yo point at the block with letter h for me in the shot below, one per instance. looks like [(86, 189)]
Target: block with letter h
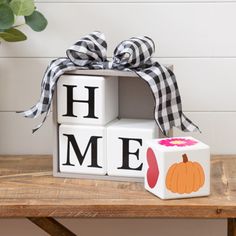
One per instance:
[(92, 141), (90, 100)]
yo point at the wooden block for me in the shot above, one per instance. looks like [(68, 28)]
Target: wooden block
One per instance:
[(87, 99), (107, 76), (125, 138), (82, 149), (177, 167)]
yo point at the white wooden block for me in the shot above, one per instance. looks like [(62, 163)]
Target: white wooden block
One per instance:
[(87, 99), (177, 167), (82, 149), (125, 138)]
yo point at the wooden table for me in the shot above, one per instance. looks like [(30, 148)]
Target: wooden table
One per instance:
[(28, 189)]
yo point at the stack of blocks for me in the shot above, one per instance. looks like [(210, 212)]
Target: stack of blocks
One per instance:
[(92, 140)]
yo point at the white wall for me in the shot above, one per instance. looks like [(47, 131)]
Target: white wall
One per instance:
[(194, 35), (197, 36)]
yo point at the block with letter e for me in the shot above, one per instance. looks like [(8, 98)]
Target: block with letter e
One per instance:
[(125, 139), (87, 99)]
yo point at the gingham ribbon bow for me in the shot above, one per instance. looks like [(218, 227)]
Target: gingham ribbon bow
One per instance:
[(133, 54)]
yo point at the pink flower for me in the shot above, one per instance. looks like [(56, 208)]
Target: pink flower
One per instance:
[(179, 142)]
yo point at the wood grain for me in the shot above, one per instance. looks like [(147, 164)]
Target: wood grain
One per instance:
[(195, 96), (51, 226), (16, 132), (27, 189), (177, 37), (16, 135), (231, 227), (215, 132)]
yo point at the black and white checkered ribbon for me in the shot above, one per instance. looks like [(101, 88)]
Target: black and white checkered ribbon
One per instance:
[(133, 54)]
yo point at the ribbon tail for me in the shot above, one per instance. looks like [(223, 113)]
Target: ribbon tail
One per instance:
[(39, 125), (188, 126), (54, 71), (168, 107), (33, 112)]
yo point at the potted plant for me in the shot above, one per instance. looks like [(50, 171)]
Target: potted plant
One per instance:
[(10, 10)]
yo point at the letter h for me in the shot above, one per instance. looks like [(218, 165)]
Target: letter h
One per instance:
[(71, 101)]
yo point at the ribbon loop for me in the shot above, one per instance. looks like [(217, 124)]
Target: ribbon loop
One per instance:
[(134, 53), (89, 50)]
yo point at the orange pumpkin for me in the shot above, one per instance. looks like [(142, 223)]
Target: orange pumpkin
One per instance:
[(185, 177)]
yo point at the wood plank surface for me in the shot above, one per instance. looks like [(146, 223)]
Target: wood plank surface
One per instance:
[(27, 189), (16, 132), (183, 33), (218, 130), (16, 135), (200, 82)]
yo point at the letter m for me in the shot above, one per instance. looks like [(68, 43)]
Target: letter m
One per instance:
[(93, 143)]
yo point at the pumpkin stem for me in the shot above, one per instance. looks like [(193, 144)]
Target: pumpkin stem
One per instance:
[(185, 158)]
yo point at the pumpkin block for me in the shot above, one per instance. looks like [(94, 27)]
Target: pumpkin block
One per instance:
[(177, 167)]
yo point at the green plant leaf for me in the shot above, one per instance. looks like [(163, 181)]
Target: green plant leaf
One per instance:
[(22, 7), (36, 21), (6, 16), (13, 35), (5, 1)]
